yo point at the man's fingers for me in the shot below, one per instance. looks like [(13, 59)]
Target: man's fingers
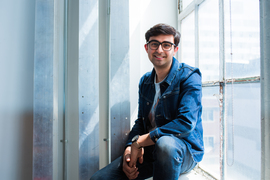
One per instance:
[(134, 176), (141, 159), (131, 173), (133, 158), (127, 157), (132, 163), (127, 169)]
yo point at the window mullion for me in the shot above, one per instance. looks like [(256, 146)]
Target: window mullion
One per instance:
[(222, 70)]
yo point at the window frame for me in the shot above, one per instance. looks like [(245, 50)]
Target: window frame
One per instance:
[(222, 81)]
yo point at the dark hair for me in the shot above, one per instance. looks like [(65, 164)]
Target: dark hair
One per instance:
[(163, 29)]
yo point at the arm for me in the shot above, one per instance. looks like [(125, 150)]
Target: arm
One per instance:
[(133, 153), (138, 128)]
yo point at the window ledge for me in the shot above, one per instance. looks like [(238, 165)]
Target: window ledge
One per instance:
[(192, 175)]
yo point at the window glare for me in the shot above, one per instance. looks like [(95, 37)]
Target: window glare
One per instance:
[(186, 3), (245, 22), (243, 138), (188, 40), (211, 128), (209, 40)]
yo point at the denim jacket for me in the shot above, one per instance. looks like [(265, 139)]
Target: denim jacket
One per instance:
[(179, 109)]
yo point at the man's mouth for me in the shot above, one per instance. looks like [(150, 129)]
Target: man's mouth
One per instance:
[(158, 56)]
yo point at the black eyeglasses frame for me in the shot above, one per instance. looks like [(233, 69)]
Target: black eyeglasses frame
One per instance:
[(160, 43)]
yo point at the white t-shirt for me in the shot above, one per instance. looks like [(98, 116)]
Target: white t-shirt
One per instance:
[(155, 103)]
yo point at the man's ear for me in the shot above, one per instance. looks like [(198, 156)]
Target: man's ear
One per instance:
[(146, 47), (175, 50)]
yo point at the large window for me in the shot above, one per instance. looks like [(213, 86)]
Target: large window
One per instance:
[(222, 38)]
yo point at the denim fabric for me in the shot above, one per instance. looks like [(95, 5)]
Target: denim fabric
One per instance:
[(167, 159), (178, 112)]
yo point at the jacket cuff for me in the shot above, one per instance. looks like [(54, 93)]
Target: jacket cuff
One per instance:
[(154, 135), (128, 144)]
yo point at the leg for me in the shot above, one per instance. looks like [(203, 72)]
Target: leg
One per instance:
[(112, 171), (171, 158)]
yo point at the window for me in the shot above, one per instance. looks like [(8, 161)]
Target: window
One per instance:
[(208, 143), (209, 113), (223, 40)]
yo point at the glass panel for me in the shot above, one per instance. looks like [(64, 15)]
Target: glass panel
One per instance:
[(245, 38), (210, 117), (186, 3), (188, 40), (243, 131), (209, 40), (88, 90), (119, 77)]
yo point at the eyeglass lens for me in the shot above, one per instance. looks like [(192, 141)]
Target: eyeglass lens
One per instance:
[(165, 45)]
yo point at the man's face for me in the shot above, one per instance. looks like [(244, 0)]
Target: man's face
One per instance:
[(161, 59)]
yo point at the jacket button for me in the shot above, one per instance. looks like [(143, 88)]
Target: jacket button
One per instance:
[(143, 118), (147, 103), (164, 97)]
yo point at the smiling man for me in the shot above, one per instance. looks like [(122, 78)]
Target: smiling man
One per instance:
[(167, 138)]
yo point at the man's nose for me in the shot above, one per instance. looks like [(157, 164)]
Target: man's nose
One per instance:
[(159, 49)]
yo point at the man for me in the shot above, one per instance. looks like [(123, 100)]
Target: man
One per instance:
[(167, 138)]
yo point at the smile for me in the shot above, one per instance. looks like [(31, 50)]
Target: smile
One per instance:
[(158, 57)]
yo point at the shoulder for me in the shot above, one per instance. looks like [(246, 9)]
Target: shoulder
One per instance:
[(146, 78), (185, 71)]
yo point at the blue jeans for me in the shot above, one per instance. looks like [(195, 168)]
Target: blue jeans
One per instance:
[(167, 159)]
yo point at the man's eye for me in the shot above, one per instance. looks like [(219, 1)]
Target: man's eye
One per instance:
[(154, 44), (166, 45)]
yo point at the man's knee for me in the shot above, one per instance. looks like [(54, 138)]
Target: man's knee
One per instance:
[(169, 146)]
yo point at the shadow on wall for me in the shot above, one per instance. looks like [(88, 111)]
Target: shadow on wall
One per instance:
[(27, 146), (16, 137), (120, 128)]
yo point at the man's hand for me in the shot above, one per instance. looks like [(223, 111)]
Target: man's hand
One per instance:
[(131, 172), (136, 154), (132, 154)]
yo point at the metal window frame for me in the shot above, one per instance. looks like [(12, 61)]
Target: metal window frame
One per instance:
[(265, 88), (183, 13)]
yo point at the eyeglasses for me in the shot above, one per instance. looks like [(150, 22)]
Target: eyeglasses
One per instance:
[(166, 46)]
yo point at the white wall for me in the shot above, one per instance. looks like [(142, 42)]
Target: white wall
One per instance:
[(144, 14), (16, 91)]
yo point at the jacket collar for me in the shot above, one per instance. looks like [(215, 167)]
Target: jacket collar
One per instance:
[(170, 76)]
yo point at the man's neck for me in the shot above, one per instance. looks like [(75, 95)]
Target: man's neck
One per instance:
[(161, 74)]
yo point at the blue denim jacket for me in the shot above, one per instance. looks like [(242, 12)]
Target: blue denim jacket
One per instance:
[(179, 110)]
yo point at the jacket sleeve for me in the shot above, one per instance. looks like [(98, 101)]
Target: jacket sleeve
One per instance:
[(189, 109), (138, 128)]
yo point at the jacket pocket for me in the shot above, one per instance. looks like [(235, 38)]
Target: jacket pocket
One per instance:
[(170, 104)]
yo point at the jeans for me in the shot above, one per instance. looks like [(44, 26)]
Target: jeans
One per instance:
[(167, 159)]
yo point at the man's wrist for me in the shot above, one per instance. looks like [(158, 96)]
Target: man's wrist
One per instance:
[(135, 142), (137, 145)]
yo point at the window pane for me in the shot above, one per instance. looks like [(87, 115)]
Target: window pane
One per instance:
[(209, 40), (211, 131), (186, 3), (243, 131), (245, 38), (188, 40)]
